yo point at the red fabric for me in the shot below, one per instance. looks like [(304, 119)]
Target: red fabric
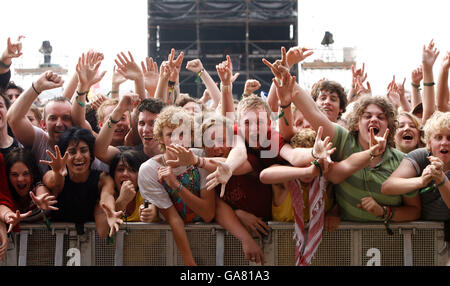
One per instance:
[(5, 194), (305, 252), (246, 192)]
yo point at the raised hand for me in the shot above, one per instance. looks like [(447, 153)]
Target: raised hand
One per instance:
[(360, 88), (117, 78), (151, 75), (175, 65), (165, 70), (113, 218), (129, 101), (13, 48), (220, 176), (285, 89), (97, 100), (297, 54), (185, 156), (194, 65), (446, 62), (417, 75), (57, 163), (359, 73), (225, 71), (377, 145), (323, 149), (429, 55), (127, 67), (44, 202), (87, 69), (393, 93), (275, 67), (48, 80), (14, 218), (251, 85)]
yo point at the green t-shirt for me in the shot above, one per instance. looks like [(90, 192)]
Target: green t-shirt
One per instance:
[(366, 182)]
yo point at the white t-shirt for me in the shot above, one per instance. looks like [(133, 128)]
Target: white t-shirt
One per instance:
[(153, 191)]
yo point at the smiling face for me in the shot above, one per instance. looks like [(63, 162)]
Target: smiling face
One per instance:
[(57, 119), (217, 147), (124, 173), (146, 120), (79, 158), (407, 136), (254, 123), (122, 127), (372, 117), (329, 103), (20, 178), (439, 144)]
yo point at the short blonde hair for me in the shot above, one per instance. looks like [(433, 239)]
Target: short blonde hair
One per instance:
[(304, 138), (101, 109), (172, 116), (437, 122), (252, 102)]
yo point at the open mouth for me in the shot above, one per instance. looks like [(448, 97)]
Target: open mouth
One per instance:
[(78, 164), (375, 130), (21, 186), (407, 137), (444, 152)]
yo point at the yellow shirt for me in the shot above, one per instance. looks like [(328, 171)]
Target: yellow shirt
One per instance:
[(285, 212), (135, 215)]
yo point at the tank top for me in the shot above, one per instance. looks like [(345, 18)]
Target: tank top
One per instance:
[(77, 201)]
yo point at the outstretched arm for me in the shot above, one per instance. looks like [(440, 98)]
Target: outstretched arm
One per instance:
[(13, 50), (196, 66), (103, 150), (225, 72), (17, 119), (416, 78), (442, 97), (429, 56)]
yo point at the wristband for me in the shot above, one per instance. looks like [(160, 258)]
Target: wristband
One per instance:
[(2, 64), (317, 164), (415, 85), (180, 187), (285, 106), (32, 85), (428, 83), (79, 102), (443, 182), (199, 76), (312, 154), (171, 83), (113, 121)]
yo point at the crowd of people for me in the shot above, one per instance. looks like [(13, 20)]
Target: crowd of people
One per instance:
[(310, 157)]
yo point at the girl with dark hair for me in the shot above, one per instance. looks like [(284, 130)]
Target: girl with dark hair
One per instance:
[(124, 170), (29, 196), (81, 191)]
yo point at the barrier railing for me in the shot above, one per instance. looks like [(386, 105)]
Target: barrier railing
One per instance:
[(354, 244)]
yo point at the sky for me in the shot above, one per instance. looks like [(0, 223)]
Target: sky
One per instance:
[(387, 36)]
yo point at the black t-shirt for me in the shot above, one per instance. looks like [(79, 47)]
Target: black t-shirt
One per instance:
[(433, 206), (77, 201), (6, 150)]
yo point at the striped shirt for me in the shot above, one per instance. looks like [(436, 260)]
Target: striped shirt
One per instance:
[(366, 182)]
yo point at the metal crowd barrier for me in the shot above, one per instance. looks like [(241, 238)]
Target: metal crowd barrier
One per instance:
[(141, 244)]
